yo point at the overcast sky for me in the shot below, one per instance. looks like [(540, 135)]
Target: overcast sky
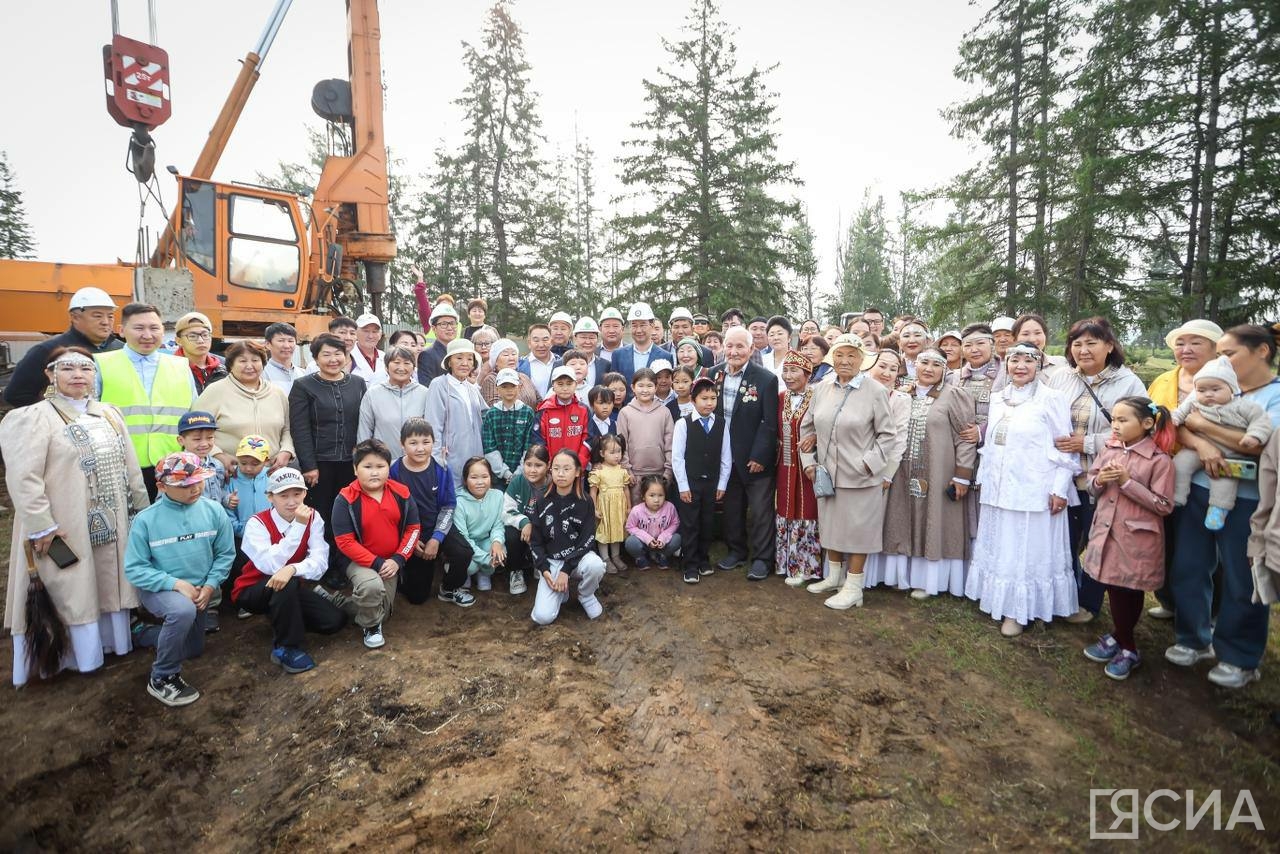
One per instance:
[(860, 87)]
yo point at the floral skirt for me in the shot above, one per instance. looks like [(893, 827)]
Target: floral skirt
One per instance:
[(798, 551)]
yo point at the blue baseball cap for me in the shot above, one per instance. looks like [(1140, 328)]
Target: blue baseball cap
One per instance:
[(197, 420)]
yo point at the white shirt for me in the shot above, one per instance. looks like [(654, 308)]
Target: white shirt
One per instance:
[(269, 559), (540, 373), (680, 442), (371, 375)]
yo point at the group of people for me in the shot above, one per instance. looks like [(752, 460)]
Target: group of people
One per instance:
[(151, 478)]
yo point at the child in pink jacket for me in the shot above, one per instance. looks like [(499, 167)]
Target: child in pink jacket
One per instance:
[(653, 527), (1132, 485), (646, 427)]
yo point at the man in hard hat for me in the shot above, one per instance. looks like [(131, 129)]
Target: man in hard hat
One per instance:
[(611, 330), (92, 319), (585, 335), (194, 334), (561, 326), (642, 351), (444, 323), (151, 389)]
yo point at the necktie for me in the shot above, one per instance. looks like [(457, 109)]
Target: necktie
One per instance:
[(706, 424)]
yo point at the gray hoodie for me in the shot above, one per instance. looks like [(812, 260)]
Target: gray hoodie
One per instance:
[(386, 407)]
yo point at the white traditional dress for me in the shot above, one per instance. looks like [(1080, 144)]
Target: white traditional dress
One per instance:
[(70, 467), (1021, 564)]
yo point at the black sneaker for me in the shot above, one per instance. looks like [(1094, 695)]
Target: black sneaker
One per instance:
[(211, 623), (172, 690), (461, 598), (691, 575), (706, 569)]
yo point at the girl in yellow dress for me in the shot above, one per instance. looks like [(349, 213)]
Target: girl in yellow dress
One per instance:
[(609, 481)]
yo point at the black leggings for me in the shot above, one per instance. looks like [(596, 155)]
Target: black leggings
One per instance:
[(1126, 610), (294, 610), (418, 574)]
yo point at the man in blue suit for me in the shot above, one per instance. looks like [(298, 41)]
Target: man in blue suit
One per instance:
[(642, 352)]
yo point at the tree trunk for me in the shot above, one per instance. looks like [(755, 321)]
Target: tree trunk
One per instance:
[(1193, 217), (1200, 277), (1042, 165), (702, 290), (1015, 110)]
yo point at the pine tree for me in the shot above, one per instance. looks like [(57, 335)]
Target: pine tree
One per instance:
[(15, 233), (804, 299), (708, 227)]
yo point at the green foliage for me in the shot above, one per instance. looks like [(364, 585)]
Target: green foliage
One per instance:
[(707, 228), (15, 234)]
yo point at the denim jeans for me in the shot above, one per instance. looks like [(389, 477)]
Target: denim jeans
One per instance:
[(1240, 634), (636, 548), (1079, 521), (179, 638)]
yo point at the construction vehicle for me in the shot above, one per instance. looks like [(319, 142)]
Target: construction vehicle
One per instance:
[(246, 255)]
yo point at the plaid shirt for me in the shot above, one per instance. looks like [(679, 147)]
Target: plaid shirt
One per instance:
[(507, 432)]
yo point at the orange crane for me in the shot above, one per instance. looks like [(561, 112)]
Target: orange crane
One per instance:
[(245, 255)]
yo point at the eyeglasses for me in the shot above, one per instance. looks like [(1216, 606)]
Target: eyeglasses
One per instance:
[(447, 324), (197, 336)]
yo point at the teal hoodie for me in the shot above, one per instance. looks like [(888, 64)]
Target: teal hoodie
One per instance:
[(170, 541)]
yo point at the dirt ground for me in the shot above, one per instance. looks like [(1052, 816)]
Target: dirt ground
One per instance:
[(726, 716)]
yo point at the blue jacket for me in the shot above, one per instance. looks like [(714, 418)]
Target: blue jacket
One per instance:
[(433, 491), (170, 541), (623, 360), (253, 498)]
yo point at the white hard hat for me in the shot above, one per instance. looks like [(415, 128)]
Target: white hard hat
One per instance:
[(681, 313), (561, 317), (640, 311), (586, 324), (91, 298)]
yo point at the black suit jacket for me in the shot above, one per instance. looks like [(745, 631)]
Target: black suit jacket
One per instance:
[(753, 433)]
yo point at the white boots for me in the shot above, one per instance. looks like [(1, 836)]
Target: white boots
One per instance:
[(850, 595), (835, 577)]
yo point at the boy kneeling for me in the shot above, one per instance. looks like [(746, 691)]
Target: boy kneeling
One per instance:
[(180, 550), (285, 544), (375, 525)]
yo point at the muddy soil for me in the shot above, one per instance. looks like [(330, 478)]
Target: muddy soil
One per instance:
[(730, 715)]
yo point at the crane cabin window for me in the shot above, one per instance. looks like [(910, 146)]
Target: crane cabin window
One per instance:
[(263, 246), (198, 226)]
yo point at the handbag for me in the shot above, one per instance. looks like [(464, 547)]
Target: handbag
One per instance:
[(823, 485)]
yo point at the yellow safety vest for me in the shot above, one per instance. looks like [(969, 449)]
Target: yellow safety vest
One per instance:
[(152, 422)]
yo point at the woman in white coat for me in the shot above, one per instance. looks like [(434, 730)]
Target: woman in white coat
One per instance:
[(1021, 569), (72, 472), (455, 409)]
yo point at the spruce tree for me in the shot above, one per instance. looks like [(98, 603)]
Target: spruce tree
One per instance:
[(15, 233), (706, 222)]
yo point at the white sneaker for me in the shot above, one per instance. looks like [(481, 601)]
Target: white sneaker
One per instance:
[(484, 582), (592, 606), (516, 583), (1230, 676), (373, 638), (795, 580), (1160, 612), (1185, 656), (919, 595)]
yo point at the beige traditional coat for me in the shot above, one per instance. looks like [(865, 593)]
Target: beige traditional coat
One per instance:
[(48, 488)]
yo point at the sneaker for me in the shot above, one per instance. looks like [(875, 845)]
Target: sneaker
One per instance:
[(327, 595), (921, 595), (484, 582), (1230, 676), (731, 561), (1185, 656), (516, 584), (172, 690), (691, 575), (1124, 663), (1160, 612), (1103, 650), (642, 562), (794, 580), (459, 597), (660, 560), (373, 638), (242, 614), (592, 606), (706, 569), (758, 571), (1216, 518), (292, 660)]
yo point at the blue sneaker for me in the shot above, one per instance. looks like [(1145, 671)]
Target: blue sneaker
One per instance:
[(1122, 665), (1103, 650), (642, 562), (292, 660), (1216, 518), (661, 561)]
